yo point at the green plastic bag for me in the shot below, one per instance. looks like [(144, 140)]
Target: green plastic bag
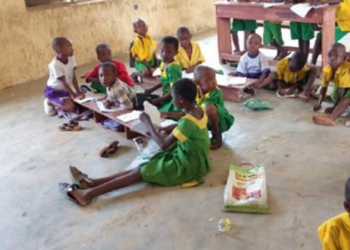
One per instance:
[(257, 105), (246, 190)]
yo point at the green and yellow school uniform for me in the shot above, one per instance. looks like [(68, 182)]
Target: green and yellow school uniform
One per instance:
[(143, 50), (169, 74), (288, 77), (242, 25), (215, 97), (186, 160), (273, 33), (341, 79)]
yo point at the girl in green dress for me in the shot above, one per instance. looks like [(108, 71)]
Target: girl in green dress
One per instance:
[(184, 157), (210, 98), (170, 72)]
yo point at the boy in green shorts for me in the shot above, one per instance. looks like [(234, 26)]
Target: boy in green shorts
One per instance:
[(273, 36), (248, 26), (304, 32)]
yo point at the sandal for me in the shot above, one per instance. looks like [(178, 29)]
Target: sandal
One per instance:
[(79, 178), (109, 150), (66, 190), (71, 126)]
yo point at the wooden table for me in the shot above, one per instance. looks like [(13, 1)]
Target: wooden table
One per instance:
[(255, 11)]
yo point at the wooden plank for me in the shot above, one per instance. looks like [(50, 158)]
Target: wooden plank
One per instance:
[(224, 36), (327, 33)]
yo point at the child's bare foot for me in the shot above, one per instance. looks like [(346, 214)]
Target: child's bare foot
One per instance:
[(323, 120), (216, 142), (304, 97), (329, 110), (80, 179), (282, 54), (73, 193)]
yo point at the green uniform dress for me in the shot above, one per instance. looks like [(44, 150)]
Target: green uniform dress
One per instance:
[(215, 97), (169, 75), (185, 161), (242, 25)]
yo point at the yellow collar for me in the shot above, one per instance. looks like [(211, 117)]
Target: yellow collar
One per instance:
[(202, 123)]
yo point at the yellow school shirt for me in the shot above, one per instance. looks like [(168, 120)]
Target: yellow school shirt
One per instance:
[(334, 234), (184, 61), (143, 48), (341, 77), (284, 74), (342, 16)]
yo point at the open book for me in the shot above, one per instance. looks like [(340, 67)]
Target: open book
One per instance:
[(102, 108), (233, 81), (90, 96)]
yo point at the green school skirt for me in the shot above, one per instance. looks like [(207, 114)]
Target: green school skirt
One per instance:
[(272, 33), (98, 87), (302, 31), (141, 67), (241, 25)]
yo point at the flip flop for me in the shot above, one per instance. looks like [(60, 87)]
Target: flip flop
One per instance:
[(323, 120), (71, 126), (256, 105), (66, 188), (110, 149), (78, 177)]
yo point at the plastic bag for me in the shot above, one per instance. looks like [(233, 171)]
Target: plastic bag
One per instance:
[(257, 105), (245, 190)]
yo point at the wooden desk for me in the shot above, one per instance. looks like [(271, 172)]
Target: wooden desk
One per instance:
[(255, 11)]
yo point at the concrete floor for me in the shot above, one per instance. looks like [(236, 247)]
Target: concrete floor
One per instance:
[(306, 165)]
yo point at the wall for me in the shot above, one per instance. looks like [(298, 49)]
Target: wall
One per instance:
[(25, 36)]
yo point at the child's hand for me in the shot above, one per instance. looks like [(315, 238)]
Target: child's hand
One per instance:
[(145, 118), (148, 91), (80, 95), (156, 101), (316, 107), (107, 104)]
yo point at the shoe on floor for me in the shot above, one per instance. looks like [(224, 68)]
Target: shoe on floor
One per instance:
[(49, 109)]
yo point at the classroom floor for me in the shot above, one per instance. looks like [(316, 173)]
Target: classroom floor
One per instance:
[(306, 165)]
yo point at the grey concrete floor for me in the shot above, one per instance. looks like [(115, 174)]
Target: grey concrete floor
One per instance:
[(306, 165)]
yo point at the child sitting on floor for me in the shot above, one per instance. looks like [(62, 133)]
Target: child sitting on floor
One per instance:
[(189, 55), (104, 54), (184, 157), (143, 50), (59, 91), (337, 71), (253, 64), (211, 100), (118, 93), (170, 72), (292, 74), (334, 234)]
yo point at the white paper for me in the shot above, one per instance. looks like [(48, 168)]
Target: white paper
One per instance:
[(167, 123), (302, 9), (102, 108), (187, 75), (157, 72), (236, 81), (269, 5), (134, 115), (153, 113), (90, 96)]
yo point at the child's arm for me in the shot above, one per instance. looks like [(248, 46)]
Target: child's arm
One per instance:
[(79, 93), (269, 79), (191, 68), (161, 99), (151, 90), (162, 142), (92, 76), (341, 92), (66, 86), (260, 80), (320, 98)]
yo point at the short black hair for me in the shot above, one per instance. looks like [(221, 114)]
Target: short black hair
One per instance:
[(183, 30), (347, 190), (109, 65), (186, 89), (101, 47), (299, 57), (59, 41), (171, 40), (338, 46), (201, 71)]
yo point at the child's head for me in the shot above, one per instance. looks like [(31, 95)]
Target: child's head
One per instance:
[(253, 44), (62, 46), (140, 27), (336, 55), (347, 196), (184, 93), (107, 74), (205, 78), (184, 36), (104, 53), (169, 48), (297, 61)]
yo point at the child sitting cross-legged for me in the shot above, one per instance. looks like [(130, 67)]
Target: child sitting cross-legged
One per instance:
[(104, 54), (337, 71), (292, 75), (210, 98), (190, 54), (184, 157), (334, 234), (170, 72), (253, 64), (62, 85)]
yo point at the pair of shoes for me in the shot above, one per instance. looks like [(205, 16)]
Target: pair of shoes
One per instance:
[(49, 108)]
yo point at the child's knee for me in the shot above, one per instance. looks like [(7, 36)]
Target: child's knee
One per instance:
[(210, 109), (69, 105)]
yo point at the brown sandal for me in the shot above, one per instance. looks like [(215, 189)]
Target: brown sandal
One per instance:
[(109, 150)]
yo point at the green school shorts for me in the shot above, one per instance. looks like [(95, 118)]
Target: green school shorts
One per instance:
[(141, 67), (98, 87), (242, 25), (334, 94), (338, 34), (302, 31), (272, 33)]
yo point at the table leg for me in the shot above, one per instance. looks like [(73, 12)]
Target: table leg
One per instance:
[(224, 36), (327, 34), (99, 118)]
